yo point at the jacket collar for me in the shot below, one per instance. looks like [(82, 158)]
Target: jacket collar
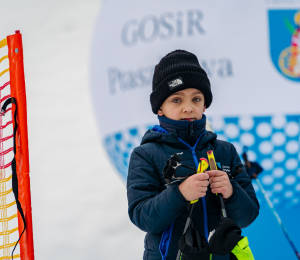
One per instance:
[(187, 131)]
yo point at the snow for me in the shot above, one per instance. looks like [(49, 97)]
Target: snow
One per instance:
[(79, 201)]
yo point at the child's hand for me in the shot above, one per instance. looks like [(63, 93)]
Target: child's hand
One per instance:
[(194, 187), (220, 183)]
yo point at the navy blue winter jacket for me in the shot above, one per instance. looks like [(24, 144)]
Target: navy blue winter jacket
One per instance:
[(154, 208)]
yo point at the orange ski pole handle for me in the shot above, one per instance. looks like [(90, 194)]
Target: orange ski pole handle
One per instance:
[(203, 165)]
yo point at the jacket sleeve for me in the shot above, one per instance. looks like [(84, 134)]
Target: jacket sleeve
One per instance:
[(149, 208), (242, 206)]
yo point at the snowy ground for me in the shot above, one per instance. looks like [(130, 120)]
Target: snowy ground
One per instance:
[(79, 202)]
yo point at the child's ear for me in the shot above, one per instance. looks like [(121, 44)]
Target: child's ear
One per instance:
[(204, 108), (160, 112)]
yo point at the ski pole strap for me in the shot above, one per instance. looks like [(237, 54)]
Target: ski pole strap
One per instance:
[(242, 250), (9, 101), (169, 170)]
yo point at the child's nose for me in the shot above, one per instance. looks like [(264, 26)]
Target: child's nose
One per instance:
[(188, 108)]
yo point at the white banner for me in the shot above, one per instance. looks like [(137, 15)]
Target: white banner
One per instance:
[(250, 50)]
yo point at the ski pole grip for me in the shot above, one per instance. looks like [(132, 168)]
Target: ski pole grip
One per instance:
[(202, 166), (213, 166)]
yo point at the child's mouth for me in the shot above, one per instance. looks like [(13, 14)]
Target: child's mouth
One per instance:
[(188, 119)]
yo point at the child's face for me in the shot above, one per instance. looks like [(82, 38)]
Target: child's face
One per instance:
[(187, 104)]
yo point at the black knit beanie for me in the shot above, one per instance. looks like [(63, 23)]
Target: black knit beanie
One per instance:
[(177, 71)]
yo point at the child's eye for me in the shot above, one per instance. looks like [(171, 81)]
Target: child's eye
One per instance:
[(176, 100), (197, 99)]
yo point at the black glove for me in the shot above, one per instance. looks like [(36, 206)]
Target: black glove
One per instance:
[(193, 246), (225, 238)]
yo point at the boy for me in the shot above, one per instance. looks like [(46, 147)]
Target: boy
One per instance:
[(181, 93), (252, 168)]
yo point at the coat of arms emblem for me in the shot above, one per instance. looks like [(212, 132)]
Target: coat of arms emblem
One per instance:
[(285, 42)]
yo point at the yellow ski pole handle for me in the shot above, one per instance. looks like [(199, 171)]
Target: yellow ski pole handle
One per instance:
[(210, 155), (203, 165), (212, 161), (213, 166)]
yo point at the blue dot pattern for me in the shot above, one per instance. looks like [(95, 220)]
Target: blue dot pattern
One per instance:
[(120, 146), (273, 142)]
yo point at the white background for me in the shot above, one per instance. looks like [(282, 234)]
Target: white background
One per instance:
[(233, 30), (79, 202)]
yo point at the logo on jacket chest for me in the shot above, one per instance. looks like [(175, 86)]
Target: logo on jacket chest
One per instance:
[(223, 167)]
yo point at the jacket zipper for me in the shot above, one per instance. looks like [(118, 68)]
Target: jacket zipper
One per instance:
[(192, 129), (203, 198)]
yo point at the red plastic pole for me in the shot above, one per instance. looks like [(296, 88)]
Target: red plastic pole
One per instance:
[(17, 84)]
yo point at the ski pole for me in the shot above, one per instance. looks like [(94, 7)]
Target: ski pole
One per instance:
[(203, 165), (213, 166), (277, 217)]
